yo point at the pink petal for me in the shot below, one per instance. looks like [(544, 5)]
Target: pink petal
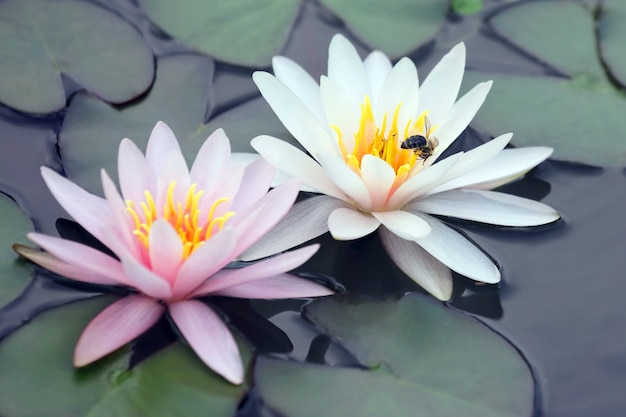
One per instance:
[(49, 262), (135, 173), (209, 337), (211, 163), (259, 271), (115, 326), (418, 264), (125, 224), (305, 220), (210, 257), (277, 287), (256, 180), (348, 223), (166, 250), (88, 210), (161, 144), (145, 280), (103, 268)]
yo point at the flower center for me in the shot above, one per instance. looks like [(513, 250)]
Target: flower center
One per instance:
[(386, 144), (193, 226)]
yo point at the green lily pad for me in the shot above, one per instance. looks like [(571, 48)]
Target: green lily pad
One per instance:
[(14, 272), (422, 359), (40, 40), (232, 31), (467, 7), (579, 114), (612, 33), (37, 361), (395, 28), (92, 130)]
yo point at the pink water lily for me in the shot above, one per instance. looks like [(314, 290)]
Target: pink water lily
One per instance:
[(375, 137), (172, 231)]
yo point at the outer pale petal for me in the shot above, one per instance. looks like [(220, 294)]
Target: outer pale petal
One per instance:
[(85, 257), (145, 280), (419, 265), (49, 262), (294, 115), (255, 182), (88, 210), (348, 224), (124, 226), (404, 224), (209, 337), (115, 326), (342, 109), (401, 87), (306, 220), (488, 207), (259, 271), (505, 167), (441, 87), (457, 253), (161, 144), (346, 179), (204, 262), (296, 164), (280, 286), (166, 250), (346, 68), (211, 163), (459, 117), (378, 177), (134, 172), (377, 67), (301, 83)]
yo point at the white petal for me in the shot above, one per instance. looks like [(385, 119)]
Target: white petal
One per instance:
[(348, 224), (441, 87), (459, 117), (301, 83), (209, 337), (342, 110), (346, 68), (404, 224), (488, 207), (505, 167), (400, 87), (378, 177), (419, 265), (346, 179), (457, 253), (296, 164), (294, 115), (306, 220), (377, 66)]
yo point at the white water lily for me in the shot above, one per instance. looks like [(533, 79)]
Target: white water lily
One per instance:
[(353, 124)]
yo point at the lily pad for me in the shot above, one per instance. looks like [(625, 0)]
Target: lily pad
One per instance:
[(612, 33), (92, 129), (422, 359), (14, 272), (41, 40), (395, 28), (580, 114), (39, 357), (231, 31), (467, 7)]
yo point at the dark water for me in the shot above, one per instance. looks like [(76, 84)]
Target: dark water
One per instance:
[(560, 301)]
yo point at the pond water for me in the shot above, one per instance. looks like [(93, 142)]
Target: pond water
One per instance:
[(559, 302)]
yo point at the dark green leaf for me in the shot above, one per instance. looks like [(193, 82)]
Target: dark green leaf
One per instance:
[(40, 40), (395, 28), (233, 31), (14, 272), (466, 7), (424, 360), (612, 33)]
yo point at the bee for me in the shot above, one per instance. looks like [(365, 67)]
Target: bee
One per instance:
[(422, 145)]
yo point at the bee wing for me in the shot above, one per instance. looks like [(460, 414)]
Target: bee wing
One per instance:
[(434, 141)]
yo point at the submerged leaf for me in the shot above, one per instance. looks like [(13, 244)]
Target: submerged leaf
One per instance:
[(612, 32), (233, 31), (580, 113), (14, 272), (397, 27), (40, 40), (423, 359)]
